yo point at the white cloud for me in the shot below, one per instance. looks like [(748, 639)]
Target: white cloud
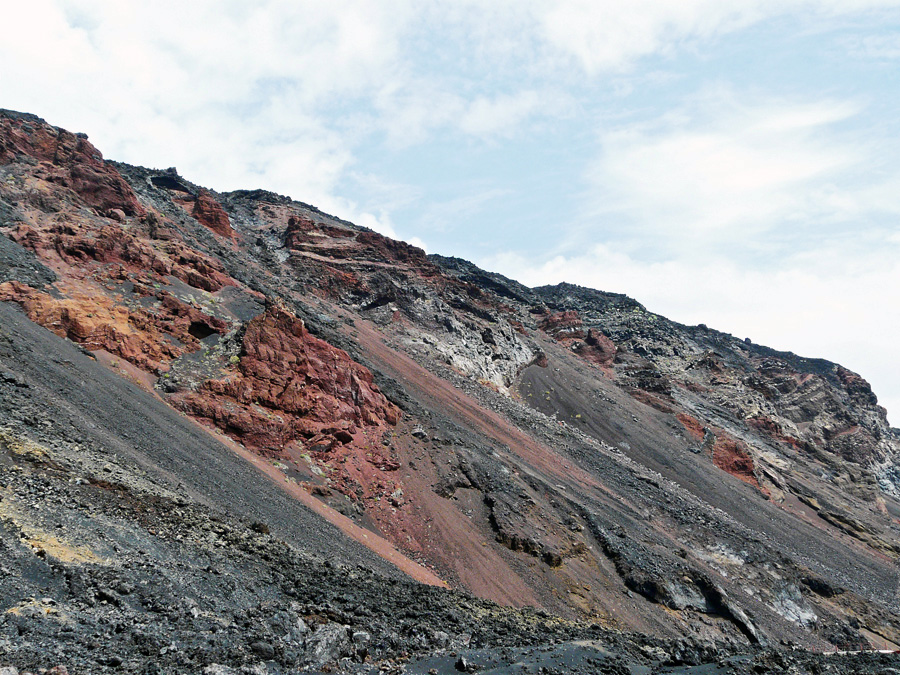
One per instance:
[(881, 47), (233, 94), (501, 114), (748, 214), (261, 81), (444, 216), (411, 112), (725, 163), (608, 35)]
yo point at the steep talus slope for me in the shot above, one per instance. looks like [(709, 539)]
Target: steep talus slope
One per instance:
[(777, 421), (810, 405), (133, 541), (52, 399), (557, 447)]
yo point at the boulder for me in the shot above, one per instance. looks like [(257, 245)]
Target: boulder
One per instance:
[(328, 644)]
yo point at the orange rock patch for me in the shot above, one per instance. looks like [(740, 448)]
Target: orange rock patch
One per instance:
[(653, 400), (97, 322), (567, 322), (207, 211), (210, 213), (107, 243)]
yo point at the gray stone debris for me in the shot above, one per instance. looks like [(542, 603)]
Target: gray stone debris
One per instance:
[(327, 644)]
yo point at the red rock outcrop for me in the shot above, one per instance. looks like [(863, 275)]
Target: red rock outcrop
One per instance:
[(290, 385), (773, 429), (106, 242), (196, 269), (693, 426), (379, 247), (210, 213), (597, 348), (299, 231), (95, 323), (305, 234), (77, 244), (70, 161), (183, 321), (732, 456), (566, 323), (568, 329), (859, 390)]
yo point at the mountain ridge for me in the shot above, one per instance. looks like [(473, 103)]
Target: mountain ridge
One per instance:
[(556, 447)]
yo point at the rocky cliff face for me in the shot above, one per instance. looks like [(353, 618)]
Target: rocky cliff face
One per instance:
[(556, 447)]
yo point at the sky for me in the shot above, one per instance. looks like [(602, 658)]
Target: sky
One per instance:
[(733, 163)]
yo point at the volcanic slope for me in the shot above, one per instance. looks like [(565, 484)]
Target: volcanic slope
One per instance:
[(557, 447)]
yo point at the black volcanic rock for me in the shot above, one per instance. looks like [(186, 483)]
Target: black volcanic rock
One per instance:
[(20, 264)]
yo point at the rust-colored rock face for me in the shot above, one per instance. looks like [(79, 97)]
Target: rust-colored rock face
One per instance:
[(290, 385), (563, 323), (70, 161), (310, 236), (95, 323), (774, 430), (391, 250), (732, 456), (859, 390), (300, 231), (81, 244), (211, 214), (597, 348), (692, 425), (591, 345)]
